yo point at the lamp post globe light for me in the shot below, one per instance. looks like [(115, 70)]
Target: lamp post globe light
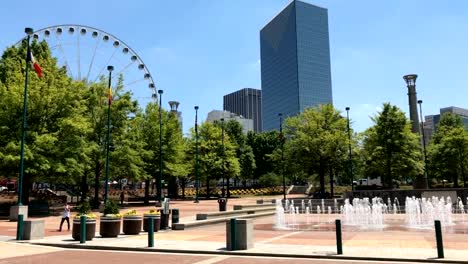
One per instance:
[(350, 159), (159, 181), (282, 154), (196, 155), (106, 187), (426, 171), (223, 191)]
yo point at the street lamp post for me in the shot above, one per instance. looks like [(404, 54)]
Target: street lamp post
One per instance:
[(350, 161), (426, 171), (106, 187), (159, 181), (29, 32), (196, 155), (282, 154), (223, 192)]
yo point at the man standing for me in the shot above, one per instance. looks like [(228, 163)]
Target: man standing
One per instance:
[(65, 216)]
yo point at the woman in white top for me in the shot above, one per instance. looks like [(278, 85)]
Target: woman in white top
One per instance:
[(65, 216)]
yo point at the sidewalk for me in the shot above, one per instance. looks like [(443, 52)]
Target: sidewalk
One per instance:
[(211, 239)]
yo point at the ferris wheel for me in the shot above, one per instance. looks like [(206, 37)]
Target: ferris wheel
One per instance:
[(85, 52)]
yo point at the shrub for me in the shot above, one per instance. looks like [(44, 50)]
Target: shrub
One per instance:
[(111, 207), (269, 180)]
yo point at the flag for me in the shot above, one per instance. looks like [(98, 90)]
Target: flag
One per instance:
[(30, 58), (110, 95)]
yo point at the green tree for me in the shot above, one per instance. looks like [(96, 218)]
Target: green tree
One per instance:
[(391, 150), (448, 150), (172, 147), (55, 148), (263, 145), (317, 142), (214, 161)]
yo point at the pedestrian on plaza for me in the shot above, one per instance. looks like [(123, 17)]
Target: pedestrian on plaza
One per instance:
[(65, 217)]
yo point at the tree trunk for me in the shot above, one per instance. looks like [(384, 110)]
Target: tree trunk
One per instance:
[(387, 183), (331, 182), (147, 186), (84, 186), (207, 188), (97, 174), (322, 178)]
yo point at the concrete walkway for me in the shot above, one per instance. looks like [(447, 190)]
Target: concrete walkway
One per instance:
[(358, 245)]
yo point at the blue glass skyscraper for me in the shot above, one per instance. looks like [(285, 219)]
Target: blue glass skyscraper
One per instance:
[(295, 62)]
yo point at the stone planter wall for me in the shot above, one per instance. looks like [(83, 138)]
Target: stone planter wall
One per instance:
[(90, 229), (109, 226), (132, 224)]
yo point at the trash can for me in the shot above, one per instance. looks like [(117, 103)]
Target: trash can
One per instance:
[(222, 204), (175, 216), (164, 219)]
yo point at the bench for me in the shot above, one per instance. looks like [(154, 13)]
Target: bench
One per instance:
[(183, 226), (248, 206), (231, 213), (267, 201)]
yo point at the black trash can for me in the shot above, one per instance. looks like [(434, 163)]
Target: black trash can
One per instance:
[(222, 202), (164, 219), (175, 216)]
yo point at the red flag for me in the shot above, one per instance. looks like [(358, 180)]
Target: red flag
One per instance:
[(30, 58)]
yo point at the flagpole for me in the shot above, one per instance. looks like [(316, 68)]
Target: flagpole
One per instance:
[(106, 188), (29, 32)]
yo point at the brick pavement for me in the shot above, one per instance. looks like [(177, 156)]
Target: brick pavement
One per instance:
[(392, 244)]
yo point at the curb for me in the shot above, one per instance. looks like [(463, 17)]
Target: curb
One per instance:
[(250, 254)]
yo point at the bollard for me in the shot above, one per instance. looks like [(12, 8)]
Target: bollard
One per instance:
[(82, 229), (440, 244), (151, 231), (339, 242), (233, 234), (19, 228)]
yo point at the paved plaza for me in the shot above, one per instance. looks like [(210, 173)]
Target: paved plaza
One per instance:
[(204, 241)]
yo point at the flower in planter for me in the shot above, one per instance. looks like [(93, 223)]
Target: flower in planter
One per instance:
[(152, 212), (131, 213), (85, 209)]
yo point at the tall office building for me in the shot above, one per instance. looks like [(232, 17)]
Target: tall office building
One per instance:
[(246, 102), (295, 62), (431, 122)]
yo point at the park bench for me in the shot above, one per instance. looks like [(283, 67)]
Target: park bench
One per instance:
[(206, 216), (249, 206), (182, 226)]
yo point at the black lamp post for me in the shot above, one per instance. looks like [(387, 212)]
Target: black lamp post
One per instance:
[(282, 154), (350, 161), (106, 187), (223, 192), (426, 172), (29, 32), (196, 155), (159, 181)]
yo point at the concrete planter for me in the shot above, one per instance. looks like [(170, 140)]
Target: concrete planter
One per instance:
[(90, 229), (132, 224), (157, 222), (109, 226)]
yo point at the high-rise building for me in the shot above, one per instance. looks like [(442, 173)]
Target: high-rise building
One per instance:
[(295, 62), (246, 102), (432, 121), (216, 115)]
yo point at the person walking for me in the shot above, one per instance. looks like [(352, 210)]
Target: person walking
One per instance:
[(65, 216)]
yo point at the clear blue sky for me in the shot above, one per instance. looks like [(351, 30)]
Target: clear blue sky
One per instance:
[(200, 50)]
